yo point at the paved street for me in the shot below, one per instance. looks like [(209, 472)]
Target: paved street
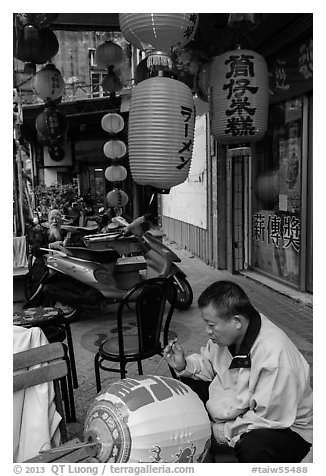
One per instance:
[(294, 317)]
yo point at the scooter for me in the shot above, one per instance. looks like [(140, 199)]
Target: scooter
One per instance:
[(95, 278), (137, 239)]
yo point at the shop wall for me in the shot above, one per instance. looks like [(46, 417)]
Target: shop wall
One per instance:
[(184, 209)]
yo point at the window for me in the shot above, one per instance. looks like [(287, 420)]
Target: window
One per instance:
[(276, 213)]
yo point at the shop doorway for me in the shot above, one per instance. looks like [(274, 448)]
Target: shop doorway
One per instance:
[(238, 162)]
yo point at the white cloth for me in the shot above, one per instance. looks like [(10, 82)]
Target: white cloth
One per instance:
[(274, 392), (35, 419)]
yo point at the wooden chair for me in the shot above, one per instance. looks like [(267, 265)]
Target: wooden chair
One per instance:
[(150, 299), (21, 271), (56, 370)]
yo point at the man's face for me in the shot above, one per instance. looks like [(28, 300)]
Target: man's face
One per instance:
[(221, 331), (55, 220)]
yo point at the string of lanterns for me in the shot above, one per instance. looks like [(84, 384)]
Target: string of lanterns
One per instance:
[(35, 43), (115, 150)]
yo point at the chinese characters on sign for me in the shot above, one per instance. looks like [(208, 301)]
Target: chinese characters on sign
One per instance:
[(186, 148), (276, 230), (239, 88), (190, 29)]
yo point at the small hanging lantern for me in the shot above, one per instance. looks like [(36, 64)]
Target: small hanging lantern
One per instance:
[(108, 54), (51, 124), (111, 82), (112, 123), (156, 33), (117, 198), (48, 83), (114, 149), (115, 173), (238, 97), (161, 132), (124, 422), (37, 50)]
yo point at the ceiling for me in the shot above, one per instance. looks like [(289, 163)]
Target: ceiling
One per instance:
[(213, 33), (213, 36)]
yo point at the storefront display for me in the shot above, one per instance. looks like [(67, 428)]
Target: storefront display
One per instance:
[(276, 213)]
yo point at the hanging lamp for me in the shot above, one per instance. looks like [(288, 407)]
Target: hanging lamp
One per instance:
[(48, 83), (238, 97), (156, 33), (161, 132), (112, 123)]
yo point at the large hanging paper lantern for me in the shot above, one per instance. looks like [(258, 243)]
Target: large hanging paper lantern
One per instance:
[(48, 83), (108, 54), (36, 50), (115, 173), (148, 419), (117, 198), (51, 124), (238, 97), (112, 123), (158, 32), (114, 149), (161, 132)]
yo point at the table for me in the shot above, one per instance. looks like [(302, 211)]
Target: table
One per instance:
[(36, 316)]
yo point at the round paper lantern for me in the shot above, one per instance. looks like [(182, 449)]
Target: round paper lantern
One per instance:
[(150, 419), (48, 83), (51, 123), (114, 149), (37, 50), (238, 97), (158, 31), (117, 198), (115, 173), (161, 132), (108, 54), (111, 82), (112, 123)]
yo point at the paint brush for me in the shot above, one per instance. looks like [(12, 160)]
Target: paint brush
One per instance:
[(166, 351)]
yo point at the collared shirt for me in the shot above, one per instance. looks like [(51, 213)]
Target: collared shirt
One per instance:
[(265, 385)]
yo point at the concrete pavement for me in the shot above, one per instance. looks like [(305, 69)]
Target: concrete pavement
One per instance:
[(294, 316)]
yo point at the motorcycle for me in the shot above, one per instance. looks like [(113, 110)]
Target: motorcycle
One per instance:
[(94, 279), (137, 239)]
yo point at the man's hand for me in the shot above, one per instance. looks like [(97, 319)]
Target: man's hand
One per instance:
[(55, 245), (175, 357)]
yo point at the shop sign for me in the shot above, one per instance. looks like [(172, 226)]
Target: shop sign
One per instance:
[(291, 72), (279, 231)]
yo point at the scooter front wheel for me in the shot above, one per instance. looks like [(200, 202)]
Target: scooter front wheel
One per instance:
[(184, 295)]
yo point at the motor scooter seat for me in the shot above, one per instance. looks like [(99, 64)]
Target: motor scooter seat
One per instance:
[(102, 256)]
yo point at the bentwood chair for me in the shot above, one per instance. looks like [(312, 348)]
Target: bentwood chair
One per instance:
[(153, 303)]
